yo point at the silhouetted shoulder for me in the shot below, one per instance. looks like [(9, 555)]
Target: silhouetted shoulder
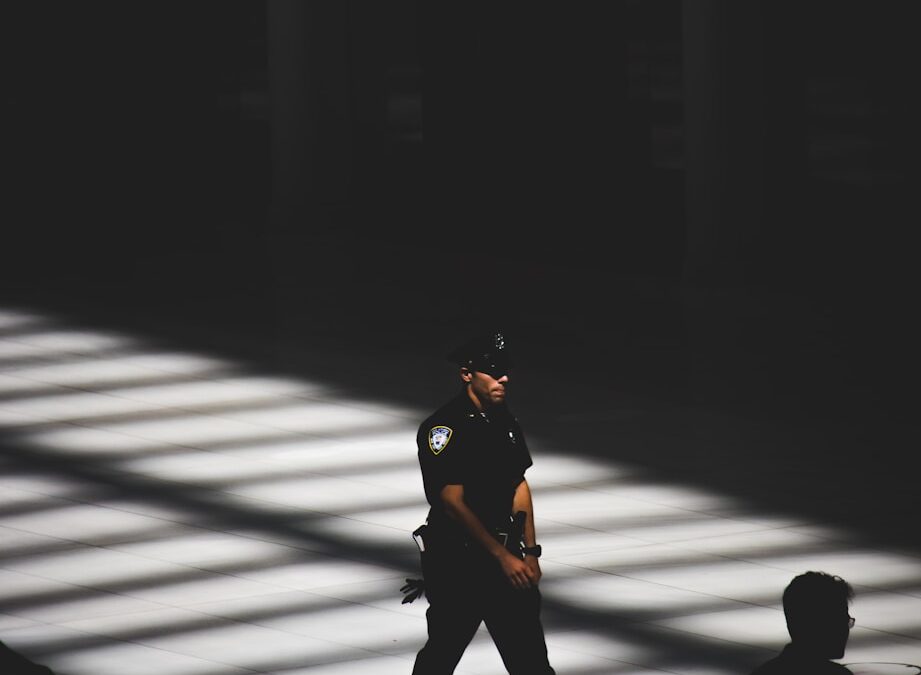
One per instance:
[(14, 663), (787, 664)]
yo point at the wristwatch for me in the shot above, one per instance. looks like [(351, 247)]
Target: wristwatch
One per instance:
[(532, 550)]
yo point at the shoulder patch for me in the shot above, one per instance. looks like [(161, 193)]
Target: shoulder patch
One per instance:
[(439, 437)]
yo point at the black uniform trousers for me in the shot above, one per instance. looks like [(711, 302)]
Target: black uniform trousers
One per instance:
[(465, 587)]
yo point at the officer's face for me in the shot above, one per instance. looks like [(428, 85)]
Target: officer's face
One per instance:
[(489, 390)]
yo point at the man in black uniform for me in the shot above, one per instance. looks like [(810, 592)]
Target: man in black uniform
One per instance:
[(477, 566)]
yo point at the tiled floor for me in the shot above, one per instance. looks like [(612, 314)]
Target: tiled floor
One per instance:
[(175, 513)]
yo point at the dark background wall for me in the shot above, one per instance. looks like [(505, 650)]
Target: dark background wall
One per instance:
[(703, 202), (139, 130)]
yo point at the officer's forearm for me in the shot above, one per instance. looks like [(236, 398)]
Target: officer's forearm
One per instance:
[(522, 502), (458, 510)]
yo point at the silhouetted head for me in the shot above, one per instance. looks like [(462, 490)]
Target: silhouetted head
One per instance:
[(815, 605), (484, 363)]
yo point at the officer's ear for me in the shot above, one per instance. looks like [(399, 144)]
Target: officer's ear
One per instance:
[(466, 374)]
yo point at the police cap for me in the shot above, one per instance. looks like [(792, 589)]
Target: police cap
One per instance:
[(485, 353)]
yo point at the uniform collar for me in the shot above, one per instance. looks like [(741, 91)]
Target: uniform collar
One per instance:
[(470, 410)]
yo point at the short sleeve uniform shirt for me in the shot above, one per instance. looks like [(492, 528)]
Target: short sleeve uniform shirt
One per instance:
[(485, 452)]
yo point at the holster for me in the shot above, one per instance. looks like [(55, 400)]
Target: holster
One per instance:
[(419, 536), (512, 537)]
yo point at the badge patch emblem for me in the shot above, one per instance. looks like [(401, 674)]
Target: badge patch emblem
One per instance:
[(438, 438)]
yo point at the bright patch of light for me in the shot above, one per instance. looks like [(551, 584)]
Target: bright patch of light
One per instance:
[(92, 605), (581, 547), (318, 418), (204, 394), (358, 626), (598, 643), (857, 566), (323, 494), (72, 406), (690, 529), (19, 588), (676, 496), (90, 441), (555, 469), (344, 454), (111, 656), (204, 468), (367, 664), (761, 626), (186, 430), (84, 523), (61, 342), (618, 595), (887, 611), (198, 586), (736, 579), (318, 573), (872, 646), (252, 646), (121, 370)]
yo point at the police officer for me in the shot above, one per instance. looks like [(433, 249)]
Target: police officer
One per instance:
[(476, 565)]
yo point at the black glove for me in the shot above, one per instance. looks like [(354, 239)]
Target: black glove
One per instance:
[(412, 590)]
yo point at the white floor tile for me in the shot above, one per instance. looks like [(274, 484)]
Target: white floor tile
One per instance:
[(198, 467), (206, 549), (198, 587), (756, 626), (86, 523), (8, 622), (76, 405), (253, 647), (607, 645), (721, 578), (317, 417), (359, 626), (334, 456), (316, 573), (322, 494), (896, 613), (258, 608), (872, 646), (859, 566), (618, 596), (19, 591), (95, 567), (366, 665), (77, 441), (189, 430), (553, 470), (120, 658), (44, 484)]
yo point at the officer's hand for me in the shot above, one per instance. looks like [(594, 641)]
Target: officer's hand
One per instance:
[(534, 566), (516, 571)]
